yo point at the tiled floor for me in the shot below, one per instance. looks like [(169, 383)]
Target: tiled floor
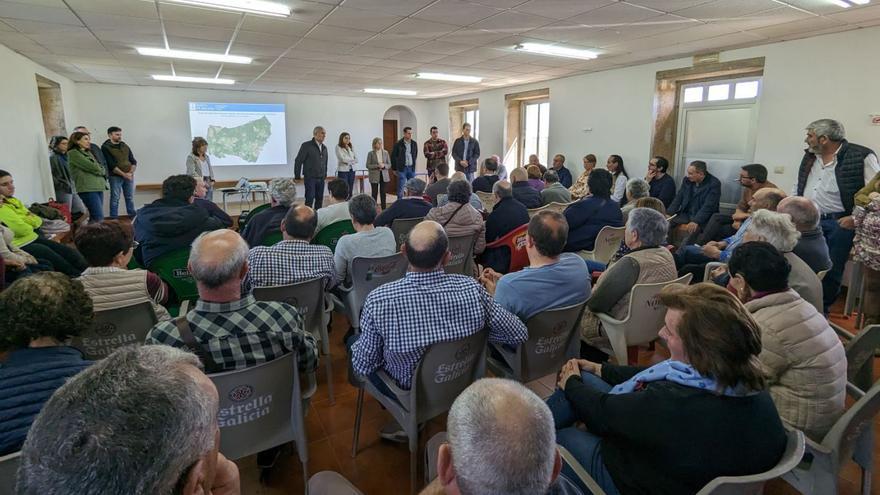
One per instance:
[(382, 467)]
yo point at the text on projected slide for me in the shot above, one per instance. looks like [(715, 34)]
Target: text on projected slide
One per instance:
[(241, 133)]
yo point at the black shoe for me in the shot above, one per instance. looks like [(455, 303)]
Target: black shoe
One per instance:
[(267, 458), (593, 354)]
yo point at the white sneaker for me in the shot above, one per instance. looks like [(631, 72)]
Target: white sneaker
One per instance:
[(393, 432)]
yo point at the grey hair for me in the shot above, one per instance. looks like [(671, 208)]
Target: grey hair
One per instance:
[(362, 209), (829, 128), (650, 224), (214, 275), (316, 130), (551, 176), (502, 189), (459, 191), (637, 188), (283, 190), (774, 228), (502, 439), (415, 186), (134, 422), (803, 212)]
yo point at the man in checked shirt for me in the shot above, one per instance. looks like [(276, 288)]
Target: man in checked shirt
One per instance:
[(397, 326)]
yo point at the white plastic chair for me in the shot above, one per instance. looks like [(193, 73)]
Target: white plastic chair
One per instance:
[(331, 483), (488, 199), (710, 267), (461, 261), (643, 321), (114, 328), (366, 275), (401, 227), (554, 206), (8, 470), (607, 243)]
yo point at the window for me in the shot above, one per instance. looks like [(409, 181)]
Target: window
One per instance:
[(472, 116), (746, 90), (725, 92), (693, 94), (719, 92), (536, 130)]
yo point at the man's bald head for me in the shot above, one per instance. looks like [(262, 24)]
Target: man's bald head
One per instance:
[(426, 245), (502, 189), (803, 212), (767, 198), (300, 223), (218, 257)]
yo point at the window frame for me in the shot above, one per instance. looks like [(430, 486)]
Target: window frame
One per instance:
[(523, 156), (731, 92)]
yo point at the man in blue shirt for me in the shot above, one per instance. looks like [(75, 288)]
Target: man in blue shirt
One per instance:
[(561, 171), (552, 280)]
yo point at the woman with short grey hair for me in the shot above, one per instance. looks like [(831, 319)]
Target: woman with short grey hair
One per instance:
[(458, 217), (636, 189)]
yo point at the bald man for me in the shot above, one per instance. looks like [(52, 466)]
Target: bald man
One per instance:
[(401, 319), (811, 247)]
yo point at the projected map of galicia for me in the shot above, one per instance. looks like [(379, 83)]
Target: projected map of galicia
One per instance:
[(245, 141)]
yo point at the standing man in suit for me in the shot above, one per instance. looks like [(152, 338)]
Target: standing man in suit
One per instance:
[(466, 152), (403, 159), (311, 161)]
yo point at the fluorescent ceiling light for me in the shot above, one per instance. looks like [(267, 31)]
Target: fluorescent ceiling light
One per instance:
[(849, 3), (205, 80), (382, 91), (448, 77), (187, 55), (260, 7), (840, 3), (861, 2), (557, 51)]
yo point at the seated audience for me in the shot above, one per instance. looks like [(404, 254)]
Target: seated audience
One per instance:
[(172, 222), (677, 425), (811, 247), (108, 248), (199, 200), (561, 172), (636, 189), (500, 439), (579, 189), (752, 178), (554, 191), (649, 202), (337, 210), (618, 178), (38, 315), (397, 325), (661, 184), (282, 194), (523, 191), (440, 184), (552, 280), (802, 357), (411, 205), (534, 173), (17, 263), (534, 160), (294, 259), (587, 216), (474, 200), (694, 204), (778, 230), (143, 420), (458, 217), (485, 182), (233, 331), (368, 241), (507, 215), (24, 226)]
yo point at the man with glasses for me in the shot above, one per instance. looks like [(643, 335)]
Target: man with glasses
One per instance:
[(752, 178)]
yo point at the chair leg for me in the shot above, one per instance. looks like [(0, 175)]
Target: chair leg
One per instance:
[(866, 481), (357, 422), (306, 476), (329, 360), (413, 470)]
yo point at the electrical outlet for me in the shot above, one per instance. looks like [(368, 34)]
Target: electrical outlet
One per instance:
[(779, 170)]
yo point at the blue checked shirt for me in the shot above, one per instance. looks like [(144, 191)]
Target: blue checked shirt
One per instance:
[(289, 262), (401, 319), (243, 333)]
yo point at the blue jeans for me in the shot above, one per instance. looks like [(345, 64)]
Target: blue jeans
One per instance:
[(470, 176), (840, 243), (348, 177), (94, 202), (402, 176), (583, 445), (121, 184), (314, 192)]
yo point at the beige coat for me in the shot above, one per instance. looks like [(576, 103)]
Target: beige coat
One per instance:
[(804, 361), (466, 221), (112, 288), (804, 281), (373, 166)]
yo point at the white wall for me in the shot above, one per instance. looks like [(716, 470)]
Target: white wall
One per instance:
[(804, 80), (26, 154)]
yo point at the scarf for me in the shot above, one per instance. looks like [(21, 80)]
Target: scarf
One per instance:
[(680, 373)]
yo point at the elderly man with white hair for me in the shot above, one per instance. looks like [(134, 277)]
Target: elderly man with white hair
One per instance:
[(636, 189), (282, 192), (311, 164), (500, 439), (811, 246), (142, 421)]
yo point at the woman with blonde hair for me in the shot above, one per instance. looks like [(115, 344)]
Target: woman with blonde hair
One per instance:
[(378, 163)]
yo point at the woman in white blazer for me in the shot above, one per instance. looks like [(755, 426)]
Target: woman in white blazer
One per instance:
[(378, 163), (346, 161)]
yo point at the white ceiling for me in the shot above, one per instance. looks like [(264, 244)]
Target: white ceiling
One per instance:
[(342, 46)]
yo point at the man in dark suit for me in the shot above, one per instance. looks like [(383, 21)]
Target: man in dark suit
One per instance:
[(506, 216), (403, 159), (466, 152), (412, 205), (696, 201), (311, 161)]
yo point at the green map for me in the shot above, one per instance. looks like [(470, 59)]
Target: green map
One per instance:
[(245, 141)]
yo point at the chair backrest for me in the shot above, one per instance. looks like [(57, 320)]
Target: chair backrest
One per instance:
[(260, 407), (272, 238), (860, 357), (114, 328), (401, 228), (515, 241), (8, 470), (607, 243), (710, 267), (171, 267), (847, 432), (754, 484), (645, 314), (445, 370), (821, 274), (329, 235), (462, 259), (369, 273), (556, 206), (331, 483), (488, 199), (553, 340), (306, 296)]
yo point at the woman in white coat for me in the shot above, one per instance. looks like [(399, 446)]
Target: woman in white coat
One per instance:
[(346, 161)]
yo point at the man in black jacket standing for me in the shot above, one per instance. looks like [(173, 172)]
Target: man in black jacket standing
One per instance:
[(403, 159), (466, 152), (311, 162)]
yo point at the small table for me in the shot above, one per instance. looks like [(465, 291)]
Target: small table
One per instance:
[(252, 191)]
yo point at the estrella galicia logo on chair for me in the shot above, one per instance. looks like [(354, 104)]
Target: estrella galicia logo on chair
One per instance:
[(246, 407)]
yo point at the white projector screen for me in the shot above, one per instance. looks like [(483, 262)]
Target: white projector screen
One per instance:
[(241, 133)]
